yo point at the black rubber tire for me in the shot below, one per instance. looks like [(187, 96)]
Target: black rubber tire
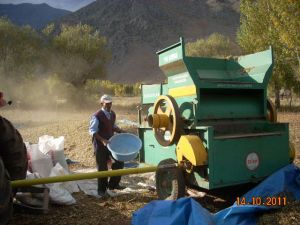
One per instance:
[(6, 203), (170, 183)]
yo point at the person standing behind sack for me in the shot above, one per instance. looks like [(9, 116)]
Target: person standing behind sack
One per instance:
[(102, 128)]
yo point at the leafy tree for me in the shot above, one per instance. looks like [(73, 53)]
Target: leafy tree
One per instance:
[(273, 23), (83, 53), (215, 45), (49, 29), (49, 64), (19, 48)]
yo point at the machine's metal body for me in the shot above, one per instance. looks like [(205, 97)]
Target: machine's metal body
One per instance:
[(213, 117)]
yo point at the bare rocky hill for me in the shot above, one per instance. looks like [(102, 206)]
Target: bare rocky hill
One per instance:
[(136, 29), (34, 15)]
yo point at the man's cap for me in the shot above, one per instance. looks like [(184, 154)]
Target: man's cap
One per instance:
[(105, 99)]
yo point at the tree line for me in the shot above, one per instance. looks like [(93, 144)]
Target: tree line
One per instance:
[(65, 63), (76, 53)]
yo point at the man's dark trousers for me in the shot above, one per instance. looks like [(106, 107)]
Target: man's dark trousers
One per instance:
[(102, 156)]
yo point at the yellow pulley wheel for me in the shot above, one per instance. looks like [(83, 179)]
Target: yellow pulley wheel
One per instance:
[(166, 120)]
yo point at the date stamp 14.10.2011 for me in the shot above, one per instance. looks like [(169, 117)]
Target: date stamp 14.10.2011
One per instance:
[(262, 201)]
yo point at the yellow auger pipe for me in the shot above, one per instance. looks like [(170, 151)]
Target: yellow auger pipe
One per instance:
[(82, 176)]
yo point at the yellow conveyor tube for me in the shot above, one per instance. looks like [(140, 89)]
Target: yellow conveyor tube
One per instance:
[(82, 176)]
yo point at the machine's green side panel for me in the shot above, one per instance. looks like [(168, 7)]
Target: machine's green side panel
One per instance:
[(181, 79), (257, 66), (150, 92), (165, 89), (171, 54), (153, 152), (250, 71), (228, 157), (171, 62)]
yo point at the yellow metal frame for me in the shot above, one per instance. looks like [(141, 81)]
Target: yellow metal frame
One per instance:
[(190, 147)]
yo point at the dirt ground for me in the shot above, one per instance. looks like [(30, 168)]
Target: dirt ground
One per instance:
[(73, 125), (89, 210)]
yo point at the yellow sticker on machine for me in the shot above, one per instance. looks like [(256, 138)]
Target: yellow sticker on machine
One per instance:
[(183, 91)]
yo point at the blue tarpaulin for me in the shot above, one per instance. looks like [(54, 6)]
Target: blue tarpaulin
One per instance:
[(182, 211), (186, 211), (285, 182)]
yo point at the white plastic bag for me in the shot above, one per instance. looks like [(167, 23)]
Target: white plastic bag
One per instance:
[(58, 155), (54, 147), (61, 196), (58, 193), (40, 163), (70, 186), (45, 144)]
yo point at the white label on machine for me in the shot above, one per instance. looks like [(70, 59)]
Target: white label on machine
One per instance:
[(252, 161), (170, 58), (151, 95), (180, 78)]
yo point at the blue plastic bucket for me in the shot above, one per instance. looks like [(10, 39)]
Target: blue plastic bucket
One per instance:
[(124, 147)]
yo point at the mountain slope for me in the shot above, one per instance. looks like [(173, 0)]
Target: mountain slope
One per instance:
[(136, 29), (35, 15), (70, 5)]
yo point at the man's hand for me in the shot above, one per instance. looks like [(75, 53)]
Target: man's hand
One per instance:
[(101, 139), (119, 130), (105, 142)]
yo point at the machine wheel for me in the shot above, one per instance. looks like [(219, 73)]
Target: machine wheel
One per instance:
[(6, 203), (170, 183), (167, 106)]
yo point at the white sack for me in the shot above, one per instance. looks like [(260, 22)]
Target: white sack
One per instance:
[(40, 163), (58, 193), (58, 152), (45, 144)]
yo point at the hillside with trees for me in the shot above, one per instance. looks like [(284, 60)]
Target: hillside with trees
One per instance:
[(135, 30)]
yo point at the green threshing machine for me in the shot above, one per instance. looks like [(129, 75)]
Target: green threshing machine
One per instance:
[(213, 119)]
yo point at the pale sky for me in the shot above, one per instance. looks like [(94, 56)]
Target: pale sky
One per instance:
[(71, 5)]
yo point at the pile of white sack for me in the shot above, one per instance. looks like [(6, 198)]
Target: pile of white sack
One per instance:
[(47, 159)]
